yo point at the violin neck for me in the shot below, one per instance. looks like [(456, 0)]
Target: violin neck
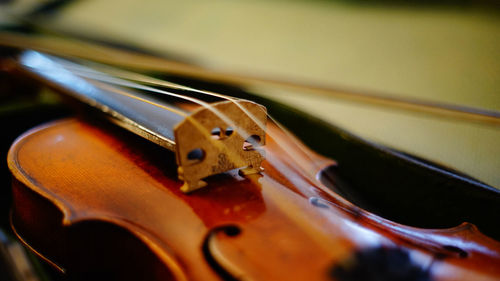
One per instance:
[(123, 106)]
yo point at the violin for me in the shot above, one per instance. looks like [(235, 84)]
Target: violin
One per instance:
[(162, 181)]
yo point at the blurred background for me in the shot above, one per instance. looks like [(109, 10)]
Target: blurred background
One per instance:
[(445, 53)]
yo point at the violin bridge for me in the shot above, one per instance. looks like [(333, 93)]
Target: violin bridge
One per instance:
[(225, 136)]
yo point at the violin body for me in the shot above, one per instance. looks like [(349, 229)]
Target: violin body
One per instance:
[(95, 200)]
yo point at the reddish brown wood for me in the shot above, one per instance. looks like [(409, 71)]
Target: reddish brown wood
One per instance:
[(86, 192)]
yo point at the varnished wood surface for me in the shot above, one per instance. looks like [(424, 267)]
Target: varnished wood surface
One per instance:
[(97, 179)]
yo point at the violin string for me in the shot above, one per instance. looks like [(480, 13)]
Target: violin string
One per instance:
[(234, 157), (283, 145), (198, 125), (137, 77), (117, 81), (158, 82), (90, 73), (124, 93)]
